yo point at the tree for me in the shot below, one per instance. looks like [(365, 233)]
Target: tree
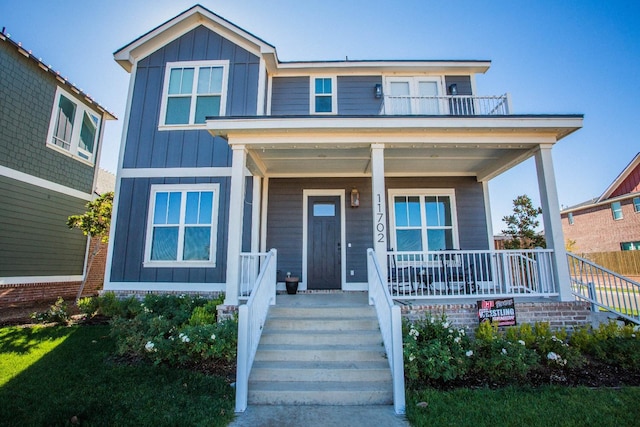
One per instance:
[(95, 222), (521, 225)]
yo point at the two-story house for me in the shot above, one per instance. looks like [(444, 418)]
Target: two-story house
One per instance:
[(228, 151), (50, 142), (610, 222)]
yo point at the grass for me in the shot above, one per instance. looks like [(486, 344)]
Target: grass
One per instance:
[(547, 406), (49, 375)]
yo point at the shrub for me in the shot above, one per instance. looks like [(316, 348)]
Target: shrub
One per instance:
[(88, 306), (551, 346), (434, 350), (617, 345), (57, 313)]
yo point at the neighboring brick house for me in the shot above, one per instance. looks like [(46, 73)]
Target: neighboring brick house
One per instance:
[(50, 142), (610, 222)]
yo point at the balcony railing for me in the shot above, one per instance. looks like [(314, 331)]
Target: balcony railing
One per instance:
[(458, 105), (463, 274)]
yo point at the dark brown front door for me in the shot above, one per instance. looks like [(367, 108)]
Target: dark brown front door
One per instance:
[(323, 250)]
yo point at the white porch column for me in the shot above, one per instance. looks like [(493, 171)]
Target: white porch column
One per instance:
[(551, 218), (236, 208), (379, 205)]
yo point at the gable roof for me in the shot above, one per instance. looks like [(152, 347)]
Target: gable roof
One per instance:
[(198, 15), (620, 180), (5, 37)]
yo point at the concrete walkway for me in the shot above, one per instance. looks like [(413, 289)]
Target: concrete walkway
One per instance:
[(319, 416)]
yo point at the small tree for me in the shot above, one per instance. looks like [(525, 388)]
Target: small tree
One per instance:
[(95, 222), (521, 225)]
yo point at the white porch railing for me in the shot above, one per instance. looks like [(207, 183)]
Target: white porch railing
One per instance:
[(604, 288), (390, 321), (249, 268), (459, 105), (461, 274), (251, 319)]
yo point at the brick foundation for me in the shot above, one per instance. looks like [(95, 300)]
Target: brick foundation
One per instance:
[(568, 315)]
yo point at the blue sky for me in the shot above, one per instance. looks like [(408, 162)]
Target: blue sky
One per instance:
[(552, 56)]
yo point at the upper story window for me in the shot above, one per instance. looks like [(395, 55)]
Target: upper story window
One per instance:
[(413, 95), (616, 210), (74, 128), (636, 204), (570, 218), (324, 99), (193, 91), (182, 226)]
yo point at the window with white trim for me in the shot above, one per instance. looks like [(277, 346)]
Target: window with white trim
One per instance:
[(636, 204), (323, 95), (423, 220), (182, 226), (616, 210), (74, 127), (193, 91)]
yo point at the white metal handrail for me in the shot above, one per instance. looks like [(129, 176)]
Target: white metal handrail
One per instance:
[(249, 269), (461, 274), (604, 288), (251, 319), (390, 320), (458, 105)]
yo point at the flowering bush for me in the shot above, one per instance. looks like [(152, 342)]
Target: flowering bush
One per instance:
[(618, 345), (551, 346), (434, 350)]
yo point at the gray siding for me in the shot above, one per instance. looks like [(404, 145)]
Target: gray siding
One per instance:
[(290, 96), (35, 239), (356, 95), (463, 84), (26, 103), (131, 226), (284, 222), (146, 147)]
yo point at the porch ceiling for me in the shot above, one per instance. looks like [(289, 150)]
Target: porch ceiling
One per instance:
[(423, 147)]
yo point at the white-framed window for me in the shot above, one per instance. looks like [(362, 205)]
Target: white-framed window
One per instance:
[(423, 219), (570, 218), (616, 210), (182, 225), (413, 95), (192, 91), (636, 204), (74, 128), (324, 98)]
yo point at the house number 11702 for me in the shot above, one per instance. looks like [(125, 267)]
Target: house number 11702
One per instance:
[(380, 222)]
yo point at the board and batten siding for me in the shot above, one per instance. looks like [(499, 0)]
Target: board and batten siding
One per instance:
[(356, 95), (35, 239), (284, 223), (470, 209), (26, 103), (130, 236), (146, 146)]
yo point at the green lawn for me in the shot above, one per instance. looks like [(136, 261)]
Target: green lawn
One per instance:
[(548, 406), (49, 375)]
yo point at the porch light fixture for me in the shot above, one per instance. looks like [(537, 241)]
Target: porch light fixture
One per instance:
[(355, 198), (453, 89), (377, 90)]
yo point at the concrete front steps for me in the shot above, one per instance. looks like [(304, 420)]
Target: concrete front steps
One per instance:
[(321, 355)]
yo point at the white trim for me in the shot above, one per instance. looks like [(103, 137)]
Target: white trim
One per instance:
[(487, 214), (174, 172), (256, 214), (43, 183), (234, 224), (262, 82), (423, 192), (305, 238), (414, 92), (193, 95), (264, 212), (165, 286), (215, 212), (313, 95), (25, 280), (355, 286), (269, 94), (80, 109)]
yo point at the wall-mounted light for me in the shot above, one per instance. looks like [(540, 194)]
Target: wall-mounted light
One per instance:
[(377, 90), (355, 198), (453, 89)]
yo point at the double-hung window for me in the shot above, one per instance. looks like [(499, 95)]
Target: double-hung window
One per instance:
[(323, 95), (423, 220), (74, 128), (193, 91), (616, 210), (182, 226), (636, 204)]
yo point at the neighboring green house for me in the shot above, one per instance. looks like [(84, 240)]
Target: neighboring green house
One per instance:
[(50, 141)]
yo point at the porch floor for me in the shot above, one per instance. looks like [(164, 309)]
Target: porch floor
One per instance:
[(323, 299)]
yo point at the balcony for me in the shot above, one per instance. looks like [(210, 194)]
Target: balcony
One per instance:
[(446, 105)]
